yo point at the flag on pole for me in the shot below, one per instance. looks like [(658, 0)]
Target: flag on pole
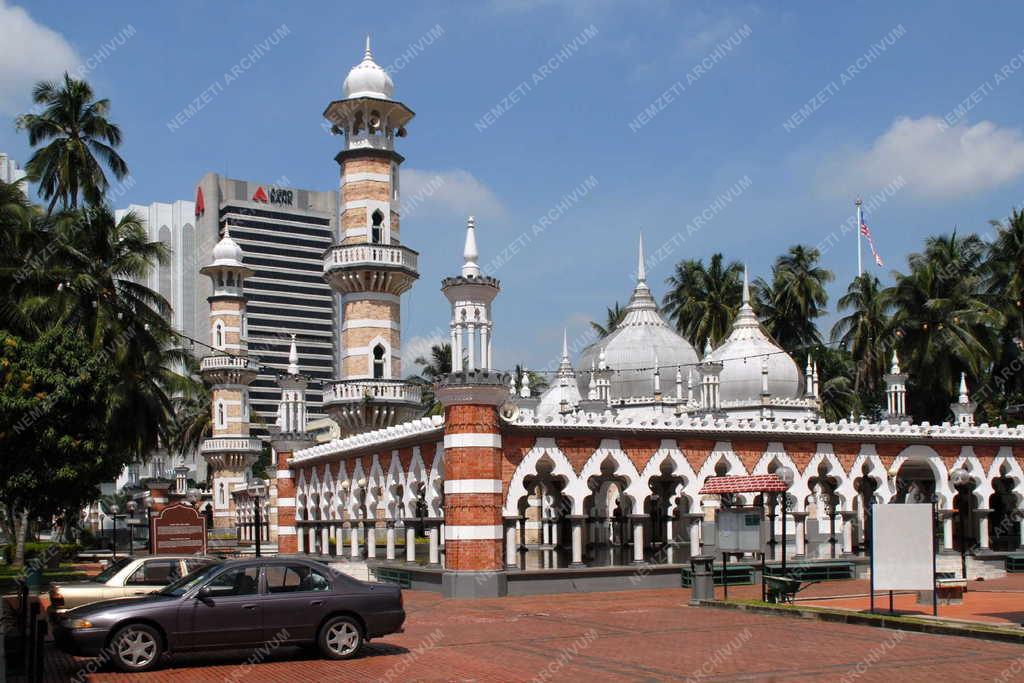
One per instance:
[(871, 243)]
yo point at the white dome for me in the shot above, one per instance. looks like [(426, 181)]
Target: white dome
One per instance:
[(642, 340), (227, 251), (367, 79), (742, 355)]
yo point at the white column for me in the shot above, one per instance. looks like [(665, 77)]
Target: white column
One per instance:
[(410, 542), (947, 531), (300, 540), (671, 547), (638, 540), (325, 535), (695, 537), (577, 542), (511, 554), (339, 543), (490, 360), (312, 539), (983, 528), (847, 533), (1021, 517), (485, 362), (353, 539), (471, 341), (390, 551), (371, 540), (432, 534), (798, 534), (455, 347)]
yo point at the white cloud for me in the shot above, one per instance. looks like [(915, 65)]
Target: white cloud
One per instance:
[(453, 193), (418, 347), (937, 161), (31, 52)]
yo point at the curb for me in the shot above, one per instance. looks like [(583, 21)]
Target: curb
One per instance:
[(877, 621)]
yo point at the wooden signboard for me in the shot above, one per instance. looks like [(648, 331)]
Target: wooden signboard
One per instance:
[(178, 529)]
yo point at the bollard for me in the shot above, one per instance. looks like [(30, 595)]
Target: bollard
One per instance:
[(703, 579)]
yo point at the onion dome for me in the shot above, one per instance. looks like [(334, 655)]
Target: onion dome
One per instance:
[(640, 342), (227, 252), (741, 357), (367, 79), (564, 393)]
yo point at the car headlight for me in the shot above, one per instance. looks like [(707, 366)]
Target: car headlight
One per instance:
[(78, 623)]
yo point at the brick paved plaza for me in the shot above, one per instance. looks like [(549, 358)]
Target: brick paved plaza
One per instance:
[(625, 636)]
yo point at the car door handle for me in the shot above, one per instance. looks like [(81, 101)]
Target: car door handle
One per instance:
[(316, 602), (248, 606)]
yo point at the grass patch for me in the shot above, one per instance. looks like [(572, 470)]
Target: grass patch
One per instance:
[(65, 572)]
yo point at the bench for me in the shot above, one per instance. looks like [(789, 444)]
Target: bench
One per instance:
[(814, 571), (781, 589), (1015, 563), (735, 575), (399, 577)]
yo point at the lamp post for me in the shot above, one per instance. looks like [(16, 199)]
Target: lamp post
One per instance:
[(257, 491), (961, 479), (132, 507), (786, 475), (114, 509)]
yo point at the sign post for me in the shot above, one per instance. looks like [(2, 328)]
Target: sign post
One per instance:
[(178, 528)]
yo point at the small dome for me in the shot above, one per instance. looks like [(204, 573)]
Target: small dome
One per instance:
[(227, 250), (640, 342), (742, 355), (367, 79)]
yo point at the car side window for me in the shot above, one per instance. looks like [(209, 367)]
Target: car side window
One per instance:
[(156, 573), (192, 565), (237, 581), (295, 578)]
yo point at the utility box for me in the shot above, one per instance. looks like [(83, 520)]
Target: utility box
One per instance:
[(741, 531)]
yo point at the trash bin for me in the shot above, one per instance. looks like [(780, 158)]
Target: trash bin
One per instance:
[(703, 578)]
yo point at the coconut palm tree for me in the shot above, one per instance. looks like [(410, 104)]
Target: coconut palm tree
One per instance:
[(865, 333), (702, 301), (434, 368), (943, 321), (613, 317), (538, 382), (789, 304), (80, 141)]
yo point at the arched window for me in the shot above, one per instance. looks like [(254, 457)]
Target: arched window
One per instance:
[(218, 335), (220, 494), (378, 361), (222, 418), (377, 231)]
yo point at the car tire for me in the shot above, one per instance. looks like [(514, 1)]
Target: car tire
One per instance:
[(340, 638), (136, 648)]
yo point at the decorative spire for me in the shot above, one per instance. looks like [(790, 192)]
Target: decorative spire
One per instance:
[(764, 376), (895, 369), (689, 386), (367, 54), (565, 370), (524, 384), (293, 358), (601, 361), (964, 396), (657, 375), (470, 252), (679, 383), (511, 384), (707, 348), (592, 385), (641, 268), (746, 287)]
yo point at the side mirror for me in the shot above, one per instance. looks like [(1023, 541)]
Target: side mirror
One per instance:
[(204, 594)]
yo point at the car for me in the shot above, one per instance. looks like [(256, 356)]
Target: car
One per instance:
[(124, 577), (236, 604)]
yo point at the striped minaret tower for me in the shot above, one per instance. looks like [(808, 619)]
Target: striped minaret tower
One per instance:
[(286, 437), (471, 395), (230, 452), (369, 266)]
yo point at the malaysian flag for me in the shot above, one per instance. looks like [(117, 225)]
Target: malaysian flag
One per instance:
[(871, 243)]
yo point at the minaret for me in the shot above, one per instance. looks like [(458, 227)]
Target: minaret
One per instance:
[(470, 294), (369, 267), (963, 409), (230, 452), (896, 391), (286, 437)]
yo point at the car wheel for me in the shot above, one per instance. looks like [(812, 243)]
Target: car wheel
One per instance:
[(136, 648), (341, 638)]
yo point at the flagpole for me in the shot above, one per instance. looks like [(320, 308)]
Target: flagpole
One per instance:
[(860, 222)]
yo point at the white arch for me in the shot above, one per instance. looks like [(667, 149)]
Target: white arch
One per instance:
[(1015, 473), (417, 474), (434, 494), (982, 483), (357, 483), (799, 489), (301, 497), (609, 448), (876, 471), (926, 454), (394, 479), (374, 487), (844, 487), (668, 450), (543, 447)]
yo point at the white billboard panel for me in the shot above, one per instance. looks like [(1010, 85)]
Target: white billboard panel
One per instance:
[(903, 550)]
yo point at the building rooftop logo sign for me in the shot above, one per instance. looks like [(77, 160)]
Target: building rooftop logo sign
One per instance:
[(200, 202), (260, 195)]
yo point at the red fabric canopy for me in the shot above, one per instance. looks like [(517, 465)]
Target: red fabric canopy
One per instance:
[(762, 483)]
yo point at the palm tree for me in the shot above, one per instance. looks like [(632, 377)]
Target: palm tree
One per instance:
[(795, 297), (865, 333), (613, 317), (437, 366), (1004, 289), (80, 138), (538, 382), (943, 321), (192, 416), (702, 302), (838, 396)]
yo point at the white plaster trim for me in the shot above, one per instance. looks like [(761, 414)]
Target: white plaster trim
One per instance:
[(355, 323), (472, 533), (371, 296), (472, 486), (360, 177), (222, 513), (285, 531), (285, 474), (472, 440), (285, 502), (356, 232)]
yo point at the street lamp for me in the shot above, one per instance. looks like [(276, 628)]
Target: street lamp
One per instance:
[(132, 507), (786, 475), (961, 479), (257, 491), (114, 509)]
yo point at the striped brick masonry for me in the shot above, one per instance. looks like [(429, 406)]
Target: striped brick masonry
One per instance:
[(473, 486)]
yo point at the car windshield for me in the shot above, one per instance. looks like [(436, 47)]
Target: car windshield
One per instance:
[(114, 567), (190, 581)]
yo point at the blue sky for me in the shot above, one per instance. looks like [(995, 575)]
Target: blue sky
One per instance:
[(722, 83)]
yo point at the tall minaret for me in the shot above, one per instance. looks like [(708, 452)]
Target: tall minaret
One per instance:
[(230, 452), (369, 267), (471, 294)]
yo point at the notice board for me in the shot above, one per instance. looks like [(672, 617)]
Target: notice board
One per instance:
[(903, 551)]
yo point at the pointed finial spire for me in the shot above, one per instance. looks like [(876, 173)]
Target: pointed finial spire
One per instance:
[(895, 369), (293, 358), (470, 253), (565, 344), (964, 396), (524, 384), (641, 269), (367, 54), (746, 287), (227, 231), (512, 384), (707, 348), (601, 360)]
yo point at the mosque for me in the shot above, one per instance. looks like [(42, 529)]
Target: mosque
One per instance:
[(594, 484)]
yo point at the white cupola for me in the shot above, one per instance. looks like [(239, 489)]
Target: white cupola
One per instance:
[(367, 79)]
